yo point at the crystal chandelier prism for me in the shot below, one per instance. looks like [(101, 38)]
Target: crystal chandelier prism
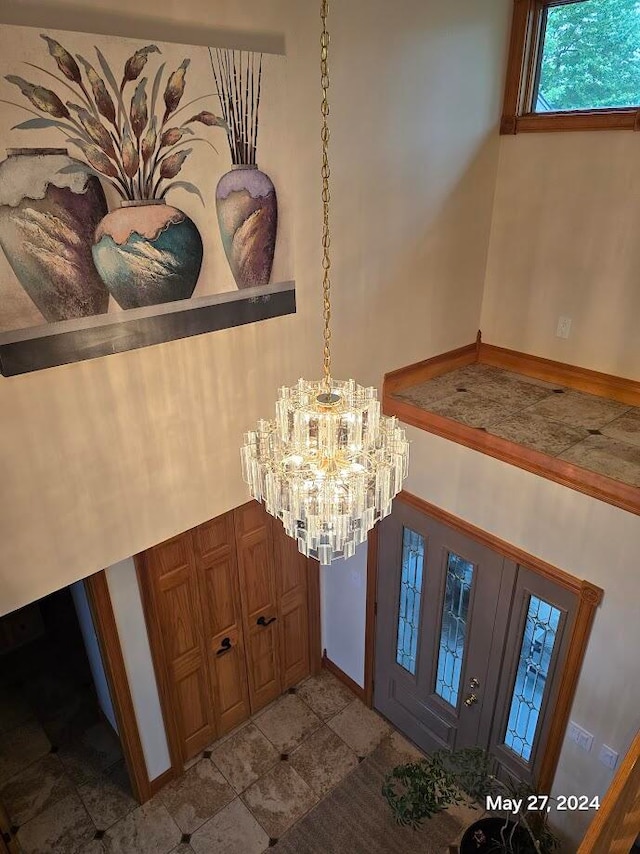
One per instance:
[(329, 464)]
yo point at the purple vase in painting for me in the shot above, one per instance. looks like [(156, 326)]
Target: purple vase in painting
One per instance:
[(47, 220), (247, 209)]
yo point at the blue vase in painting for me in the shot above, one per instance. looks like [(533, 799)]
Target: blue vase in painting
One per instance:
[(247, 208), (148, 252)]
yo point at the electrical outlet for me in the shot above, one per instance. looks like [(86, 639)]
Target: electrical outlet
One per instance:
[(580, 736), (608, 757), (564, 327)]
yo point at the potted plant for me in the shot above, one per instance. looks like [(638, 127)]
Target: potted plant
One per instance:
[(131, 137), (419, 790)]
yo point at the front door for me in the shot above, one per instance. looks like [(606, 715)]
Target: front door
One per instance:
[(438, 603)]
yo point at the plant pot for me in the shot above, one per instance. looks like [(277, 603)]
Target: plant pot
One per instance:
[(47, 221), (483, 837), (148, 252), (247, 208)]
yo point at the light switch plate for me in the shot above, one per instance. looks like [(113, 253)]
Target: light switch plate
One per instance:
[(580, 736), (608, 757), (564, 327)]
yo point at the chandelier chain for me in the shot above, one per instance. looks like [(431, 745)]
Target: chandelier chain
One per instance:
[(326, 195)]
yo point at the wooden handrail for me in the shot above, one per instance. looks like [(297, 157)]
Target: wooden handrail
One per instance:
[(616, 825)]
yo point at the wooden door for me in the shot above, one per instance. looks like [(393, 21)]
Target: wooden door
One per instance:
[(169, 581), (438, 601), (292, 586), (215, 550), (254, 545)]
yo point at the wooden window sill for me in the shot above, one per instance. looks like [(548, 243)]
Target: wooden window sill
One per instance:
[(600, 486)]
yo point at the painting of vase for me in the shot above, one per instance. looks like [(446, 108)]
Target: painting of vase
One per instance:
[(246, 200), (125, 219), (47, 221), (148, 252)]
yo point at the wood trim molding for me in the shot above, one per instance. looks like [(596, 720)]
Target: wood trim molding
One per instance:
[(429, 368), (370, 621), (526, 33), (615, 826), (590, 598), (583, 480), (508, 550), (161, 781), (313, 604), (107, 633), (342, 677), (155, 644), (583, 379)]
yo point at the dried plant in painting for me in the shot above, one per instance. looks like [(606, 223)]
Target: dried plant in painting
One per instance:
[(238, 76), (123, 132)]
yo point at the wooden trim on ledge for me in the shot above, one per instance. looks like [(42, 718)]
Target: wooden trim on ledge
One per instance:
[(342, 677), (508, 550), (583, 379), (583, 480), (430, 368)]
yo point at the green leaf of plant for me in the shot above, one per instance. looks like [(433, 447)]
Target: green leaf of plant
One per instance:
[(37, 124), (184, 185)]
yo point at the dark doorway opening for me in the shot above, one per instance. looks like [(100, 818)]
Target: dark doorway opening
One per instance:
[(61, 760)]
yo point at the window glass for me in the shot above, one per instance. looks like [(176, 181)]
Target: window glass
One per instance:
[(538, 641), (590, 56), (454, 628), (410, 596)]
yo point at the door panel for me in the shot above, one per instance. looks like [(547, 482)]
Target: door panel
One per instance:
[(222, 616), (254, 544), (538, 639), (292, 582), (443, 590), (174, 590)]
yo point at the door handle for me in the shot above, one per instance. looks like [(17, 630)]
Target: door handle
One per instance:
[(470, 700), (474, 683), (262, 621), (225, 646)]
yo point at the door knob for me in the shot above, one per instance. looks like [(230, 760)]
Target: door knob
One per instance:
[(262, 621), (225, 646), (474, 683), (471, 699)]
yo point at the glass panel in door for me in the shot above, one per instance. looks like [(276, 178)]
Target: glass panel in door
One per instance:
[(410, 599), (536, 651), (453, 630)]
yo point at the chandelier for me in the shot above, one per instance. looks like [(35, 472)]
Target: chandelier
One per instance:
[(329, 464)]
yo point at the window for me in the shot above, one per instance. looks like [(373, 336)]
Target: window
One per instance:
[(573, 65), (453, 631), (410, 596)]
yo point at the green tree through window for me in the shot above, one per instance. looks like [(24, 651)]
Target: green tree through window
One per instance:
[(591, 56)]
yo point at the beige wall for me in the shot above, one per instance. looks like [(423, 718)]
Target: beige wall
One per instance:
[(103, 458), (564, 241), (585, 537)]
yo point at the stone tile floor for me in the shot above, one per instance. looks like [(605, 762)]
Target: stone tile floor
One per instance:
[(238, 796), (593, 432)]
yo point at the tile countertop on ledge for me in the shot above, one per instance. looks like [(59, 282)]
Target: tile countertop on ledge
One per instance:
[(591, 432)]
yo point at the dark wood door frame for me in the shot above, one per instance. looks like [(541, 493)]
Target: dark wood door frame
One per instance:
[(589, 597), (111, 651), (155, 643)]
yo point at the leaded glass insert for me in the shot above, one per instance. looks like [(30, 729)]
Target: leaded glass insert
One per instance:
[(538, 640), (410, 595), (454, 628)]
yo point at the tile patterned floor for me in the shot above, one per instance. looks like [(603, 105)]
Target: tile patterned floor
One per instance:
[(593, 432), (237, 797)]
